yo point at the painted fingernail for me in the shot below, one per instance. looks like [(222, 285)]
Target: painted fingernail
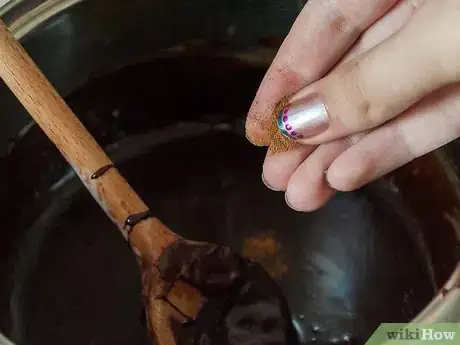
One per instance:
[(268, 185), (303, 118)]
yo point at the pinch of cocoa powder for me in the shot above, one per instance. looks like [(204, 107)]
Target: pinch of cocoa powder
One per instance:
[(268, 124), (279, 143)]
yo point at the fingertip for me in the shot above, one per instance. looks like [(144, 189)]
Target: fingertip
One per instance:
[(274, 176), (347, 175), (268, 184), (308, 193), (261, 122), (301, 202), (258, 132), (278, 168), (294, 203), (291, 202), (258, 126), (339, 180), (308, 189)]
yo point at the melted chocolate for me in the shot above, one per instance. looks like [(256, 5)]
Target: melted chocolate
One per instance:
[(245, 306), (101, 171), (134, 219)]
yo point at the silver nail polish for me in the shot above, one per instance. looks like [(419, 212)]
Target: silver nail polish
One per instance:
[(303, 118)]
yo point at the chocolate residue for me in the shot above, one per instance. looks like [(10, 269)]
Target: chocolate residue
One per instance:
[(278, 142), (245, 306), (101, 171), (267, 251), (208, 267)]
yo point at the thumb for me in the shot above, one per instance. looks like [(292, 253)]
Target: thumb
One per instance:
[(422, 57)]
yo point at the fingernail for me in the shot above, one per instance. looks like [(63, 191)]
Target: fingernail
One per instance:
[(268, 185), (303, 118), (286, 197), (326, 180)]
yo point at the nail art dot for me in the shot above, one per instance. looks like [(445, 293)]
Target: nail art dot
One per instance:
[(288, 127), (286, 111), (294, 133), (285, 118)]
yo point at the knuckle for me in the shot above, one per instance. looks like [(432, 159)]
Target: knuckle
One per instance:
[(340, 22), (296, 73), (362, 112), (401, 142), (416, 4)]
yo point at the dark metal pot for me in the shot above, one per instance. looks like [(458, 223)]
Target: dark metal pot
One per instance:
[(162, 85)]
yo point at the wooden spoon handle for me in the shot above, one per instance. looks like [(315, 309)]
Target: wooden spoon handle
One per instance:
[(56, 119)]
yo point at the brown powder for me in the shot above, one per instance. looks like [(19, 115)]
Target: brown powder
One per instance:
[(281, 144), (277, 142), (266, 250), (268, 126)]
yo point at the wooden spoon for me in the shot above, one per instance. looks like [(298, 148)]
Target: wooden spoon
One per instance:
[(147, 235)]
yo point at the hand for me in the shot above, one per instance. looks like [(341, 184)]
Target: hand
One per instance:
[(361, 108)]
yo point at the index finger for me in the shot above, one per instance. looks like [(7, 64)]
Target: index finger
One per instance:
[(320, 36)]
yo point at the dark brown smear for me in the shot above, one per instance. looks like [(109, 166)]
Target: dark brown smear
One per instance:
[(245, 306), (134, 219), (101, 171)]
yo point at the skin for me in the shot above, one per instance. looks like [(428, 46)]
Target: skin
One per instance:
[(389, 73)]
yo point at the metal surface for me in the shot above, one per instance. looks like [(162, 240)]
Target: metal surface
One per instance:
[(381, 253), (94, 37)]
